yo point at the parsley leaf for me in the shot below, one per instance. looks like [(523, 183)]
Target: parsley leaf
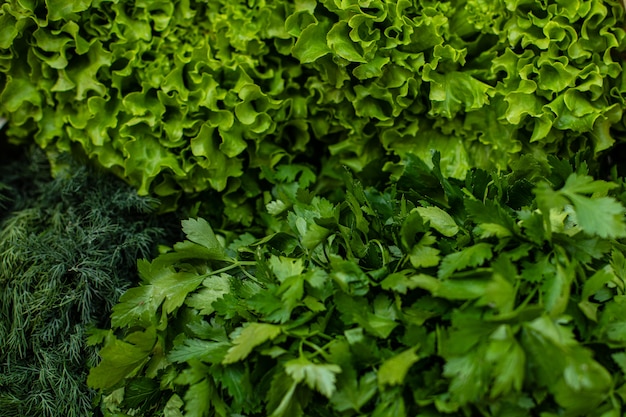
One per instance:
[(249, 337), (321, 377), (471, 256)]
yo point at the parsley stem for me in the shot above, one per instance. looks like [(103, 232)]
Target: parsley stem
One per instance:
[(249, 275), (318, 350), (234, 265)]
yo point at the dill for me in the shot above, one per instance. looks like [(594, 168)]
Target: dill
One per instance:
[(68, 250)]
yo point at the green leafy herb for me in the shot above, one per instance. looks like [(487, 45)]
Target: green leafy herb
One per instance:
[(390, 302), (69, 247)]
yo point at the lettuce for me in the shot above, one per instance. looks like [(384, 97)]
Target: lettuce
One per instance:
[(187, 96)]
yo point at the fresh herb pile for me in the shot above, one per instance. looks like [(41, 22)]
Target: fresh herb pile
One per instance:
[(68, 250), (500, 295), (195, 95), (392, 208)]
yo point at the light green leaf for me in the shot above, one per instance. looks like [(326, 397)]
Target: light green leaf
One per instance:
[(463, 289), (349, 277), (172, 408), (424, 256), (284, 267), (176, 287), (59, 9), (18, 91), (611, 327), (455, 91), (487, 230), (471, 256), (311, 44), (139, 305), (196, 349), (339, 41), (469, 377), (121, 359), (145, 159), (310, 233), (399, 282), (597, 281), (394, 370), (285, 405), (584, 184), (248, 338), (275, 207), (610, 224), (213, 288), (555, 76), (620, 360), (584, 386), (320, 377), (564, 366), (439, 220), (356, 310), (372, 68), (8, 30), (353, 394), (199, 231), (521, 104), (391, 404), (510, 362), (198, 399)]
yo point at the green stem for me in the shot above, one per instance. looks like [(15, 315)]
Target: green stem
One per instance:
[(234, 265)]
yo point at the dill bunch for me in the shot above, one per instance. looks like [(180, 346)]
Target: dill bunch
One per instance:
[(68, 250)]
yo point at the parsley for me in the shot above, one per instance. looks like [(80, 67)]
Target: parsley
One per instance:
[(388, 303)]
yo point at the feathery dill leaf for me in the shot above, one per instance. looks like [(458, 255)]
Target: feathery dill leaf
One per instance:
[(68, 250)]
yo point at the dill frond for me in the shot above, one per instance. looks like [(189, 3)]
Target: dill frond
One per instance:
[(68, 249)]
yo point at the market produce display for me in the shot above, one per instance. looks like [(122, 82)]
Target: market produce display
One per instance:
[(383, 208)]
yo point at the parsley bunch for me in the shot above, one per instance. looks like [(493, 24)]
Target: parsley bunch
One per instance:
[(68, 250), (499, 295)]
